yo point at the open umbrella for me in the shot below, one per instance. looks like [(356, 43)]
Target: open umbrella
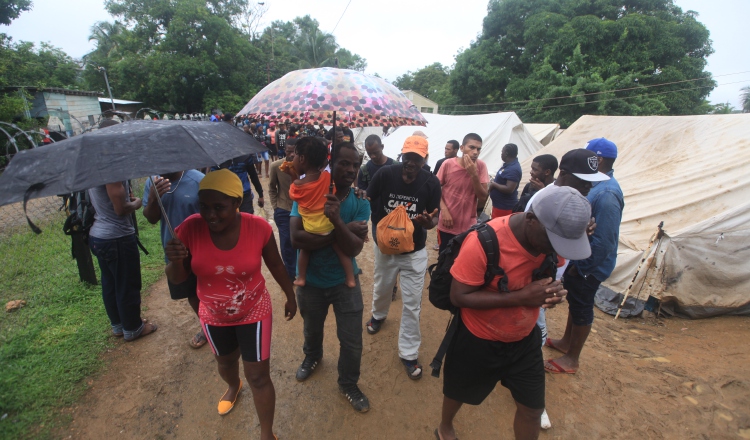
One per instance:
[(317, 95), (125, 151)]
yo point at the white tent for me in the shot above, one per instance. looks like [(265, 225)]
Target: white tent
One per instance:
[(691, 172), (495, 129), (544, 133)]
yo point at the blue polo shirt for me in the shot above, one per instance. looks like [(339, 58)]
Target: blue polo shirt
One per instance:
[(324, 270), (510, 171), (180, 204)]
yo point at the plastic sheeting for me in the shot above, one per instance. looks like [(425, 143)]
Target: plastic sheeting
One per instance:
[(692, 173), (495, 129)]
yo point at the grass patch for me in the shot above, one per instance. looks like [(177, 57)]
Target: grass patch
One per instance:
[(49, 346)]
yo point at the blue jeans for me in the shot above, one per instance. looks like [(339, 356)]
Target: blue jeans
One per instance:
[(288, 254), (120, 264), (347, 304)]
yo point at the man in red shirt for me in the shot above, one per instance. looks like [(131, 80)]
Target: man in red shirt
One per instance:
[(464, 180), (497, 339)]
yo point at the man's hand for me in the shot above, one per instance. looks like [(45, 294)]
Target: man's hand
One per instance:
[(332, 207), (359, 229), (544, 293), (536, 184), (425, 219), (137, 202), (447, 219), (360, 193), (161, 185), (470, 165), (261, 202), (175, 250), (591, 227)]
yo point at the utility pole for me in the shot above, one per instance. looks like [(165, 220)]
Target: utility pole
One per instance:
[(106, 80)]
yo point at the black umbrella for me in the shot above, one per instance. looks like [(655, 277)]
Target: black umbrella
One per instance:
[(125, 151)]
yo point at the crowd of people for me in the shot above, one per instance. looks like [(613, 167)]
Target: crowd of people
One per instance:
[(322, 200)]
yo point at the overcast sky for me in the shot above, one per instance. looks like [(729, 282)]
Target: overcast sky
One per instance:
[(396, 36)]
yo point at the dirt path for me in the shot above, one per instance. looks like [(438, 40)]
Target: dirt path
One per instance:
[(669, 379)]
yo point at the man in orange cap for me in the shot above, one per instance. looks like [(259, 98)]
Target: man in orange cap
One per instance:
[(419, 192)]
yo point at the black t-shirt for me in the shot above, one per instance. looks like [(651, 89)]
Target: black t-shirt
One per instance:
[(388, 190), (437, 166), (368, 170)]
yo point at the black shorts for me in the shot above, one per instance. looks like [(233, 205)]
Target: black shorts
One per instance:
[(185, 289), (253, 340), (473, 366)]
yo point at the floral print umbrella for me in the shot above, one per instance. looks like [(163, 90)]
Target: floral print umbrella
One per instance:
[(316, 95)]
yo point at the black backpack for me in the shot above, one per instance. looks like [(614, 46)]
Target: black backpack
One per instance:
[(81, 216), (441, 280)]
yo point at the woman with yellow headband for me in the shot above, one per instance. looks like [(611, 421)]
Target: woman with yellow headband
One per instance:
[(223, 248)]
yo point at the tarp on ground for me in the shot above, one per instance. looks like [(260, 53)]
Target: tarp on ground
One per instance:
[(544, 133), (691, 172), (495, 129)]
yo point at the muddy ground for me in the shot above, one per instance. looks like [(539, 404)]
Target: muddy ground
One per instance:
[(648, 379)]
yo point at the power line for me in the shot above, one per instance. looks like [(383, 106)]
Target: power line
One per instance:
[(595, 93), (342, 16), (592, 102)]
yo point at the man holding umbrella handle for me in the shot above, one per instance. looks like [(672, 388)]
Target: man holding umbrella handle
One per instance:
[(176, 196)]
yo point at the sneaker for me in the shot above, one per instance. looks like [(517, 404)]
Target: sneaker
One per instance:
[(373, 325), (413, 369), (306, 369), (356, 397)]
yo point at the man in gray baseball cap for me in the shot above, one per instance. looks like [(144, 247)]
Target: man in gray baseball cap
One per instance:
[(497, 339)]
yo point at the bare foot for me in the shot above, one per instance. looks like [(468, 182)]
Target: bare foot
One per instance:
[(445, 433), (564, 365), (231, 394), (557, 344), (299, 282)]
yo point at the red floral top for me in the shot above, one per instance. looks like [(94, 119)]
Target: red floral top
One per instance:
[(230, 286)]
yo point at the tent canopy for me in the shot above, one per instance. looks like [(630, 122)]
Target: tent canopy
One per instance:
[(495, 129), (544, 133), (691, 173)]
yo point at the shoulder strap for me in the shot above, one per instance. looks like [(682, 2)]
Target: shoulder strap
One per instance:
[(488, 239)]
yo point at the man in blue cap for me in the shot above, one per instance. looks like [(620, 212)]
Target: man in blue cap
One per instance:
[(582, 277)]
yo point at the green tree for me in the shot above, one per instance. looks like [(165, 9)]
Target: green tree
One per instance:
[(25, 64), (314, 48), (431, 81), (173, 55), (11, 9), (723, 108), (745, 97), (555, 60)]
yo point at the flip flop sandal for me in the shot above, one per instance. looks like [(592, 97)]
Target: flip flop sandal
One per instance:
[(199, 340), (553, 367), (225, 406)]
